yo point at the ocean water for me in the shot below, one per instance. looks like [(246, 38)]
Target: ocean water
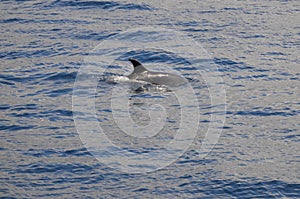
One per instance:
[(251, 47)]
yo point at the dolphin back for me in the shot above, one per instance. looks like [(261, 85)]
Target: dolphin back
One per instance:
[(167, 79), (160, 78)]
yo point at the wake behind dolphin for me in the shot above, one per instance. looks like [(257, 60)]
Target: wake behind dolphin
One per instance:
[(160, 78)]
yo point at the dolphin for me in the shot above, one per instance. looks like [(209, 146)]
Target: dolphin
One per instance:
[(159, 78)]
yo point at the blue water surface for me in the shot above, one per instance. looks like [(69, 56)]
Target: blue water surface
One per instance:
[(255, 46)]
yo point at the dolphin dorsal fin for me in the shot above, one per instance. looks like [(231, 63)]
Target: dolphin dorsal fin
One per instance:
[(138, 67)]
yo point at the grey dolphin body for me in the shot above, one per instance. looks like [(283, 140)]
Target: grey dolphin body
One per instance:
[(160, 78)]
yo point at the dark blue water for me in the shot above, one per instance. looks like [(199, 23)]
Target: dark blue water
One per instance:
[(255, 46)]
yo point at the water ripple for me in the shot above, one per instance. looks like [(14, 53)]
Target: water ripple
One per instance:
[(106, 5)]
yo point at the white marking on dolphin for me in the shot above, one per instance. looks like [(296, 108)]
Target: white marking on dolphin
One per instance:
[(142, 74)]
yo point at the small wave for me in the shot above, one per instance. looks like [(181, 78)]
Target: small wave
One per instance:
[(56, 168), (137, 85), (16, 127), (106, 5), (62, 76), (123, 79), (266, 113), (116, 79), (227, 65)]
